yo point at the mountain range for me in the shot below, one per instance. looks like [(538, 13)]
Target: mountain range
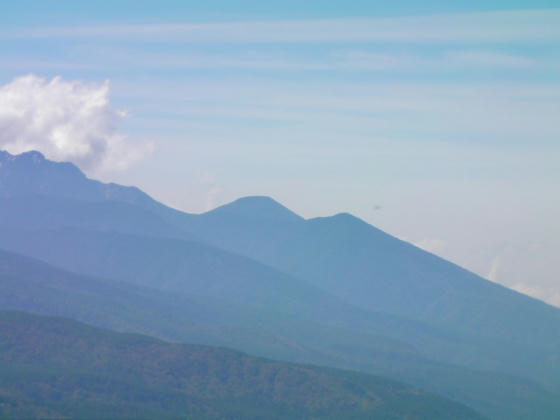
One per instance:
[(254, 276)]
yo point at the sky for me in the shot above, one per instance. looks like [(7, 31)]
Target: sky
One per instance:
[(434, 121)]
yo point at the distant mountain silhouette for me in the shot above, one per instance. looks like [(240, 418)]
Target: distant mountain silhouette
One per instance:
[(256, 208), (375, 271), (31, 174), (337, 272)]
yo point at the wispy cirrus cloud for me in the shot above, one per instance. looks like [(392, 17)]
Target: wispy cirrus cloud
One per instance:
[(488, 27), (447, 60), (330, 60), (489, 58)]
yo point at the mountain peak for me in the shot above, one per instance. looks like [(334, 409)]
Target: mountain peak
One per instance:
[(257, 207), (30, 173), (32, 156), (4, 156)]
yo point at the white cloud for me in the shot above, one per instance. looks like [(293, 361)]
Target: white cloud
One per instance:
[(494, 269), (212, 192), (65, 120)]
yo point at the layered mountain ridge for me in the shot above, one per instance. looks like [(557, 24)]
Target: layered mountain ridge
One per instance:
[(345, 289)]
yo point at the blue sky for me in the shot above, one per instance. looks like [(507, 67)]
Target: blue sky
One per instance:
[(435, 121), (130, 11)]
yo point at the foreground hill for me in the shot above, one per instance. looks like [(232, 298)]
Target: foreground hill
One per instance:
[(32, 286), (54, 367)]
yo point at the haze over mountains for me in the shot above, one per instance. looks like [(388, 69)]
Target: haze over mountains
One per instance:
[(256, 277)]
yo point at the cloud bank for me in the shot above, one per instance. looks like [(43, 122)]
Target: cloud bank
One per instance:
[(66, 121)]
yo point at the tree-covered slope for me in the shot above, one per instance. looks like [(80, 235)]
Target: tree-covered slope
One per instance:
[(32, 286), (56, 367)]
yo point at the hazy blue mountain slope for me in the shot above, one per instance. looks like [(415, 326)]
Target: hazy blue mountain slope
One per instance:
[(370, 268), (376, 271), (341, 254), (172, 265), (31, 174), (258, 227), (455, 316), (33, 286), (40, 212), (250, 209), (36, 287), (68, 368), (191, 268)]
